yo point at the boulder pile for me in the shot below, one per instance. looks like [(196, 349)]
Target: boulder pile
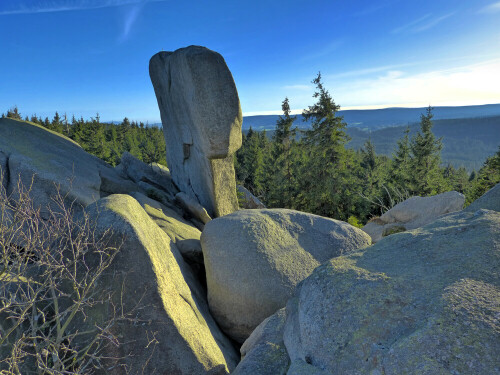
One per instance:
[(294, 293), (255, 258)]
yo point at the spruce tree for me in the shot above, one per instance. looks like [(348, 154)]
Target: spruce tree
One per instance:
[(426, 174), (14, 113), (281, 173), (324, 181), (401, 159)]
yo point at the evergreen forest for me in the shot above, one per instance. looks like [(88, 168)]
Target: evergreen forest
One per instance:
[(316, 172), (310, 170)]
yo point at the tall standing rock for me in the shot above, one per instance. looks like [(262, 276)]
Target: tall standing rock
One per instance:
[(201, 115)]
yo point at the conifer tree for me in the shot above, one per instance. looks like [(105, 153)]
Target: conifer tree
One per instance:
[(323, 182), (281, 173), (93, 139), (401, 159), (14, 113), (427, 178), (487, 177)]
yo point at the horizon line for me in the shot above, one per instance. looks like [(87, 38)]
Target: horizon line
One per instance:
[(371, 107)]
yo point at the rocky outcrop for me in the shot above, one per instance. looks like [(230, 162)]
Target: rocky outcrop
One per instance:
[(181, 232), (248, 200), (255, 258), (151, 176), (422, 302), (201, 116), (193, 207), (264, 351), (490, 200), (47, 161), (150, 271), (414, 213)]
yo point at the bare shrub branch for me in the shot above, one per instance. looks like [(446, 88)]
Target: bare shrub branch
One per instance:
[(49, 270)]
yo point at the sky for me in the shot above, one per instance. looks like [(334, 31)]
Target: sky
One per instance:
[(85, 57)]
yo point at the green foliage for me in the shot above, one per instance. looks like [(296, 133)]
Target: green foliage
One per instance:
[(107, 141), (353, 220), (282, 167), (14, 113), (325, 172), (426, 175), (313, 171), (487, 177)]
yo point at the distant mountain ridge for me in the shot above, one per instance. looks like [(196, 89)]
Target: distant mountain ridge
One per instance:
[(372, 119)]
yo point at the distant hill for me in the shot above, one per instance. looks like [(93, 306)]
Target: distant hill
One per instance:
[(467, 142), (372, 119)]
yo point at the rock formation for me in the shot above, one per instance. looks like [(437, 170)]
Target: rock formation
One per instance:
[(255, 258), (149, 268), (422, 302), (159, 270), (47, 161), (201, 116), (248, 200), (264, 351), (489, 201), (308, 293), (414, 213)]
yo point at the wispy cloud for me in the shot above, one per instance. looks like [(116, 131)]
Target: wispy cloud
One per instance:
[(492, 8), (423, 23), (48, 6), (324, 51), (431, 23), (130, 19)]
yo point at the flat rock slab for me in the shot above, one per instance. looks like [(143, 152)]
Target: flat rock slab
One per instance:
[(201, 116), (414, 213)]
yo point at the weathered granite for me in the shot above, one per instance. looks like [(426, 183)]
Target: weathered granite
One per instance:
[(414, 213), (201, 116), (255, 258)]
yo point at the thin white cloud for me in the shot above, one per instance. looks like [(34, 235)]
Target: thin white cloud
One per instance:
[(367, 71), (130, 19), (492, 8), (423, 23), (49, 6), (326, 50), (431, 23)]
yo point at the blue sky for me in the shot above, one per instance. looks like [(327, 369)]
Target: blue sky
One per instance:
[(86, 56)]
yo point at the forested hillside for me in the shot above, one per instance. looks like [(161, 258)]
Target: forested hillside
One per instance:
[(328, 169), (316, 172), (466, 142), (106, 141)]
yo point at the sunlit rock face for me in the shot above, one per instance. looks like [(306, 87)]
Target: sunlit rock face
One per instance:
[(201, 116)]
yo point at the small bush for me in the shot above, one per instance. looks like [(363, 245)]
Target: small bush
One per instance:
[(353, 220), (49, 269)]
